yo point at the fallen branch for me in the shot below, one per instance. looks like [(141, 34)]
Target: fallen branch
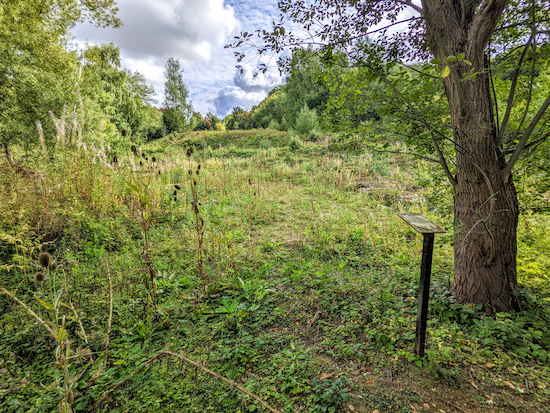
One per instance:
[(203, 368), (450, 404), (28, 309), (110, 323), (315, 318)]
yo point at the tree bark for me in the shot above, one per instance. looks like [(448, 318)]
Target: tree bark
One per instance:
[(486, 205)]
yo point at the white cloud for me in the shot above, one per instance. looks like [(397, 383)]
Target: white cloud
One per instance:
[(231, 96), (262, 81), (247, 89), (184, 29)]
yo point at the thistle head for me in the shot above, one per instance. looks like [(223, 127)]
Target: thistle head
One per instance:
[(45, 259), (39, 276)]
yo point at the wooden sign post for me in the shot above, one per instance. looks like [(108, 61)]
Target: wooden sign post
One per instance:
[(428, 229)]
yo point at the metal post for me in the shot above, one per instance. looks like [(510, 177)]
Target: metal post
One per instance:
[(424, 294), (428, 229)]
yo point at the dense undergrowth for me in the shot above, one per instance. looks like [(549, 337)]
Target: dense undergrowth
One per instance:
[(278, 263)]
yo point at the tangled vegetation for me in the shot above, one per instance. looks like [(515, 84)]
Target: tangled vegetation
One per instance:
[(240, 271)]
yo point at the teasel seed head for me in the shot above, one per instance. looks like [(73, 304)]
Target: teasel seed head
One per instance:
[(53, 266), (140, 163), (115, 159), (154, 159), (175, 199), (175, 193), (134, 149), (190, 172), (189, 152), (177, 187), (123, 132), (159, 172), (40, 276), (143, 155), (197, 171), (44, 259), (198, 167)]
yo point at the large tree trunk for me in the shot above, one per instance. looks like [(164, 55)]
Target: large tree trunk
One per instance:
[(486, 209), (486, 206)]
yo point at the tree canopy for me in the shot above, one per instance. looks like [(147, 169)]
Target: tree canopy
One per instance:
[(178, 111)]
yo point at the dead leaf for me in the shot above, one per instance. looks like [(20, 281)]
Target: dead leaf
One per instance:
[(326, 376), (375, 411), (370, 381), (490, 365), (426, 406), (351, 408), (413, 408), (510, 385)]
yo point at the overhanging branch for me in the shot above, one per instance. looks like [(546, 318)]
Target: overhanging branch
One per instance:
[(525, 137), (443, 162), (512, 93)]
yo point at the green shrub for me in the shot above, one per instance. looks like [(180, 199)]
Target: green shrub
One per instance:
[(295, 143), (274, 125), (265, 144), (306, 120), (314, 135)]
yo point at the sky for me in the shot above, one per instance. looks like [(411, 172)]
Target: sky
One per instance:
[(194, 32)]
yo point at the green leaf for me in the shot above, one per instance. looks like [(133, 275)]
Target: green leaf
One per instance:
[(445, 72), (132, 187), (468, 62), (82, 405), (418, 363), (436, 61), (44, 304), (488, 353), (461, 56), (451, 58)]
